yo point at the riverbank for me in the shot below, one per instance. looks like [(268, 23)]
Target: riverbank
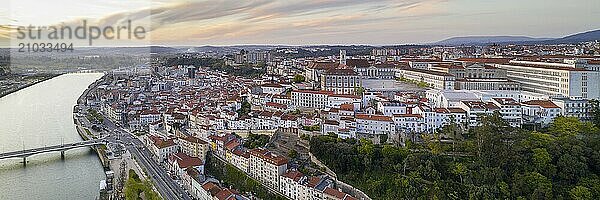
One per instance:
[(40, 116), (13, 85), (85, 132)]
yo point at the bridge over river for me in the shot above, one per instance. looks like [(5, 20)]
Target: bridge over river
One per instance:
[(61, 147)]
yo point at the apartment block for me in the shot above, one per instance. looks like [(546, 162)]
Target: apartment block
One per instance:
[(310, 98), (266, 167)]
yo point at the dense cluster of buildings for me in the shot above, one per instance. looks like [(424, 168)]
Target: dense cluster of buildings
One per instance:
[(185, 117), (391, 95), (525, 90)]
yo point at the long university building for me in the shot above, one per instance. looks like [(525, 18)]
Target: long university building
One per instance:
[(554, 79), (340, 81)]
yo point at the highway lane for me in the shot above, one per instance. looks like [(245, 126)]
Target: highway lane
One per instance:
[(167, 193), (170, 189), (164, 184), (160, 171), (161, 185)]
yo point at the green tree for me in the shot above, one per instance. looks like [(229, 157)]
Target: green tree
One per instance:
[(542, 162), (459, 170), (298, 78), (359, 90), (245, 108), (293, 154), (565, 126), (366, 147), (533, 185), (595, 111), (383, 138), (580, 193), (495, 161)]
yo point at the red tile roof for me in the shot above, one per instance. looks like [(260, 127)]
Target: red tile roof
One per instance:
[(224, 194), (294, 175), (542, 103), (357, 63), (185, 161), (481, 105), (268, 156), (323, 65), (347, 72), (211, 188), (160, 142), (231, 145), (276, 105), (193, 139), (347, 107), (542, 66), (335, 193), (486, 60), (314, 92), (313, 181), (373, 117), (408, 115), (506, 101)]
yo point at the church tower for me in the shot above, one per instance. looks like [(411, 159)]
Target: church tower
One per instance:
[(343, 57)]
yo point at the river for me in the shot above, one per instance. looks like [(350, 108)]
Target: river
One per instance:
[(41, 115)]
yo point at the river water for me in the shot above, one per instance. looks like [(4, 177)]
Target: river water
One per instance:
[(41, 115)]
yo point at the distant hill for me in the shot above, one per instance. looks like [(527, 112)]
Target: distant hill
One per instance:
[(481, 40), (577, 38), (485, 40)]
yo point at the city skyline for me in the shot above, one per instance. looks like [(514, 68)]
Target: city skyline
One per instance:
[(176, 23)]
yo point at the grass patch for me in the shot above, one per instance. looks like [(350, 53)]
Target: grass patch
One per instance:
[(135, 188)]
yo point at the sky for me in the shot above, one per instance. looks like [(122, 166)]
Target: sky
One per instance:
[(293, 22)]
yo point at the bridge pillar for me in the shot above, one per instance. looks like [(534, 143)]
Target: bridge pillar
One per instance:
[(62, 155), (24, 161)]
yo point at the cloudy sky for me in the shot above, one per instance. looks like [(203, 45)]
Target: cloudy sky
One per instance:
[(377, 22)]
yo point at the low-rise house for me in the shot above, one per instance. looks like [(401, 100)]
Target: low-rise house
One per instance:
[(217, 143), (540, 112), (389, 108), (149, 116), (209, 190), (336, 100), (291, 183), (193, 146), (240, 159), (179, 162), (330, 126), (374, 124), (333, 194), (272, 88), (510, 110), (161, 148), (476, 109), (192, 181), (272, 106), (409, 123)]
